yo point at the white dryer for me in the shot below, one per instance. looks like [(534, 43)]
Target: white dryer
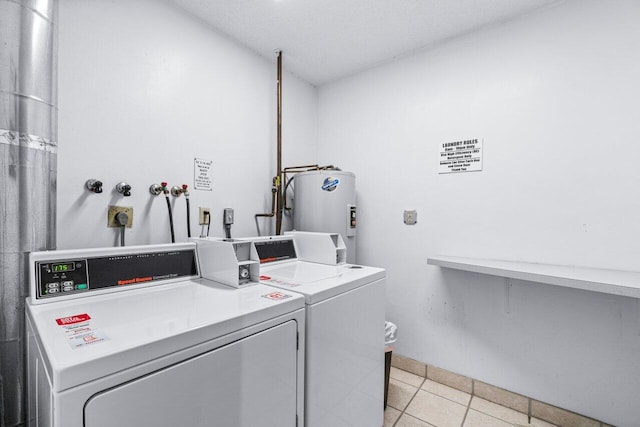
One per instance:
[(344, 375), (133, 337)]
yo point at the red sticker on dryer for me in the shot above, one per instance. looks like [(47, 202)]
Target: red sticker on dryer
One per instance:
[(70, 320), (276, 296)]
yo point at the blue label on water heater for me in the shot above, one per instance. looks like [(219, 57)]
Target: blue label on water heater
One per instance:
[(330, 183)]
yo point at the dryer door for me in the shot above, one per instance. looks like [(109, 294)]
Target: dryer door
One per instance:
[(248, 383)]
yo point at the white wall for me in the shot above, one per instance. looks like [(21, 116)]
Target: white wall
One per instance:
[(144, 88), (554, 96)]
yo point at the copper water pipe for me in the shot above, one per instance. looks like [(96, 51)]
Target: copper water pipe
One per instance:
[(274, 190), (299, 169), (303, 168), (279, 153)]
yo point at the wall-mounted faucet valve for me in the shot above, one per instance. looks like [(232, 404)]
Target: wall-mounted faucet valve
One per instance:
[(155, 189), (124, 189), (94, 185), (176, 191)]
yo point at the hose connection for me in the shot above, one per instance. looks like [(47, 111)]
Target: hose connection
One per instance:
[(155, 189), (94, 185), (124, 189)]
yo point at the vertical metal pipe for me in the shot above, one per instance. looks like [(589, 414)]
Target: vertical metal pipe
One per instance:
[(279, 154), (28, 147)]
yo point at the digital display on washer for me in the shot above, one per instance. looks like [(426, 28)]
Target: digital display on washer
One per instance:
[(81, 275), (275, 250), (59, 268)]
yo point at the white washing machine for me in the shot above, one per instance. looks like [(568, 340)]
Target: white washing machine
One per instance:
[(344, 375), (133, 337)]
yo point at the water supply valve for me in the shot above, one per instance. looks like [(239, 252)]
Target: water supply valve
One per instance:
[(184, 190), (94, 185), (164, 187), (155, 189), (124, 189), (176, 191)]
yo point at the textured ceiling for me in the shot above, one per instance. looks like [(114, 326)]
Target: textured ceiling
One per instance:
[(324, 40)]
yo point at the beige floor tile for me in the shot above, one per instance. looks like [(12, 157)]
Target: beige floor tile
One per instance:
[(436, 410), (391, 415), (560, 416), (451, 379), (539, 423), (478, 419), (408, 365), (501, 397), (497, 411), (406, 377), (400, 394), (409, 421), (448, 392)]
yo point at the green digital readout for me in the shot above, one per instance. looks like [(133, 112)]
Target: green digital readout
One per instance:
[(61, 268)]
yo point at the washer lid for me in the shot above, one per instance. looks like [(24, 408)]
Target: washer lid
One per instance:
[(89, 338), (318, 282)]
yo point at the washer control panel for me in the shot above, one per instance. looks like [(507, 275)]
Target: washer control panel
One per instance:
[(62, 277), (275, 250), (58, 276)]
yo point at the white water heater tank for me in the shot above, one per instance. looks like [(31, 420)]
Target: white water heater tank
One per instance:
[(325, 201)]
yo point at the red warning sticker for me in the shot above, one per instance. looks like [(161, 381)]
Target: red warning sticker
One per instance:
[(70, 320), (265, 277), (276, 296), (79, 332)]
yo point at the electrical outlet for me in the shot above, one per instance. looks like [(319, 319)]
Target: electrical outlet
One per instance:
[(205, 216), (410, 217), (228, 216), (114, 210)]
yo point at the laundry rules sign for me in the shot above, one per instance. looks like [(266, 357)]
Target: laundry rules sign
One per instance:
[(461, 156), (202, 170)]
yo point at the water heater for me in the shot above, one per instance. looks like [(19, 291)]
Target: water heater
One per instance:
[(325, 201)]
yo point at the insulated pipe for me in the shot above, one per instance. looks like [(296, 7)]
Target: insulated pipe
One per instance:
[(28, 162), (279, 154)]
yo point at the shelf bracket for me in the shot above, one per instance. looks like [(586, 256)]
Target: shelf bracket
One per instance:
[(507, 295)]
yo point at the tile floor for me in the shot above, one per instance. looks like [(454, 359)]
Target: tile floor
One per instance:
[(414, 401)]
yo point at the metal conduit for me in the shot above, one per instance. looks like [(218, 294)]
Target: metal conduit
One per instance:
[(28, 164)]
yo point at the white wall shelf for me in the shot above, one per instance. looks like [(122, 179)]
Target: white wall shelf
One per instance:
[(616, 282)]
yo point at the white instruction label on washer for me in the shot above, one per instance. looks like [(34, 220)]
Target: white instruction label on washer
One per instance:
[(78, 331)]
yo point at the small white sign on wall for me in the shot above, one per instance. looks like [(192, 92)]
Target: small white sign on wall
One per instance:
[(202, 170), (461, 156)]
